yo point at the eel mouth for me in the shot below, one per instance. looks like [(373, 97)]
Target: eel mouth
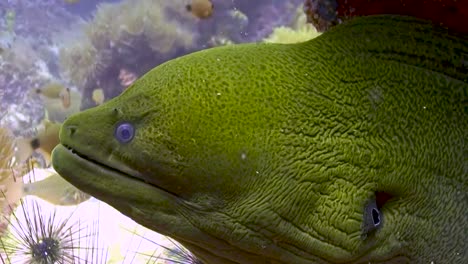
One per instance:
[(93, 166)]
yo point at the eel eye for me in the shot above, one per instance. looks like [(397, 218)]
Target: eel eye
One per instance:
[(124, 132)]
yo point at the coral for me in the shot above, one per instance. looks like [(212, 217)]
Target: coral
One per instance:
[(288, 35), (38, 19), (138, 35), (298, 31), (19, 111), (148, 17), (244, 20), (11, 186), (7, 151), (265, 16), (28, 61), (9, 167), (21, 54), (80, 61), (131, 35)]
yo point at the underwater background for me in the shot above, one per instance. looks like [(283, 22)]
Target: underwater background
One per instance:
[(59, 57)]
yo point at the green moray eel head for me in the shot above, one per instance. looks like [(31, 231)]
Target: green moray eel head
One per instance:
[(315, 152)]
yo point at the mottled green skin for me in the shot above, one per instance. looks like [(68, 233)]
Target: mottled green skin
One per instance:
[(268, 153)]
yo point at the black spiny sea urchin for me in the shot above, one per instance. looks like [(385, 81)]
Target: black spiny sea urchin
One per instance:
[(38, 238)]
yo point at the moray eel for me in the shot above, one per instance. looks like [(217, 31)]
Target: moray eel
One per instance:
[(348, 148)]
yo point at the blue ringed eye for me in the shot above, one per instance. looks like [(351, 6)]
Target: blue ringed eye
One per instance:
[(124, 132)]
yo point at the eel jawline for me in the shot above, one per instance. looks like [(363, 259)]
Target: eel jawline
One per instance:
[(120, 169)]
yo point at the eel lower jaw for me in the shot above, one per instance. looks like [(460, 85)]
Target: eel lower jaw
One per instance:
[(97, 167)]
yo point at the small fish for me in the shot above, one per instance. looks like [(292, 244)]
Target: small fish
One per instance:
[(98, 96), (59, 109), (201, 8), (51, 90), (56, 91), (65, 98), (56, 190), (45, 141)]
